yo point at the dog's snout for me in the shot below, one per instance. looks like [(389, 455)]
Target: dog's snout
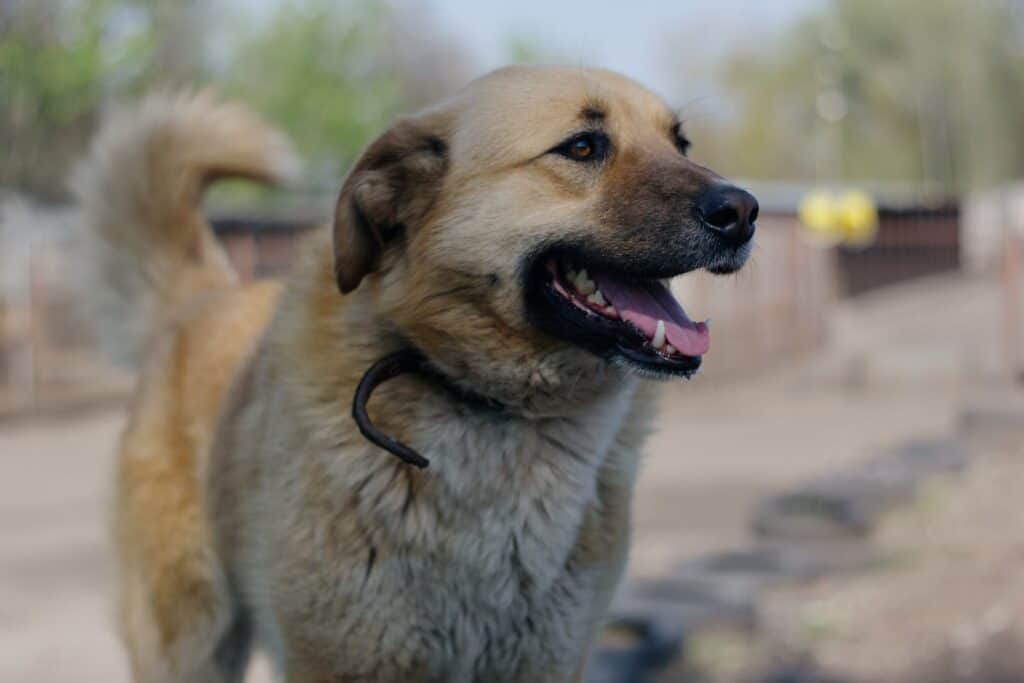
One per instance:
[(729, 211)]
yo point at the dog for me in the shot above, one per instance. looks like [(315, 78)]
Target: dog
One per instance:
[(515, 240)]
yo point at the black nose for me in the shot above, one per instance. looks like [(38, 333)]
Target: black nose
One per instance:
[(730, 212)]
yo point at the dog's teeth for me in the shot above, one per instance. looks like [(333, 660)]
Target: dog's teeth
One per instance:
[(659, 335), (597, 298), (612, 311), (584, 284), (669, 349), (707, 323)]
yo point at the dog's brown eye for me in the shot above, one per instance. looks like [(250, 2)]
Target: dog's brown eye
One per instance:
[(681, 141), (584, 147), (682, 144)]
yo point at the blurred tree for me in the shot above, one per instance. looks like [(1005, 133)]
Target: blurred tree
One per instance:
[(929, 91), (333, 74), (180, 36), (311, 68), (430, 62), (60, 59), (330, 73), (526, 48), (50, 65)]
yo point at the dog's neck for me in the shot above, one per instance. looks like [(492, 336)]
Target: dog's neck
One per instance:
[(500, 475), (346, 335), (409, 360), (342, 337), (505, 495)]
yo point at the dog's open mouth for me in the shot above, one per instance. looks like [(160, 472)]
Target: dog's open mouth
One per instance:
[(631, 320)]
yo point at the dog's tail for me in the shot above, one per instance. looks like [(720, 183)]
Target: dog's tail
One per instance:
[(148, 246)]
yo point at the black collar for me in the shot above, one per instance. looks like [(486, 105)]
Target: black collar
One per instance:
[(391, 366)]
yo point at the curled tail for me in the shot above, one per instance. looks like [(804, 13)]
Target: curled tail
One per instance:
[(148, 246)]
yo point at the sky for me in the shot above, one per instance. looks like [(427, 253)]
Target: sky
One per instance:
[(634, 37)]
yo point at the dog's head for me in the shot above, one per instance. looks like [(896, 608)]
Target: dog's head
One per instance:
[(521, 233)]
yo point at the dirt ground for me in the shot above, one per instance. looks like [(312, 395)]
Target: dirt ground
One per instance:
[(951, 586), (717, 450), (943, 602)]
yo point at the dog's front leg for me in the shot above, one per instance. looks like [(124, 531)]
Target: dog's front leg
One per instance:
[(606, 534)]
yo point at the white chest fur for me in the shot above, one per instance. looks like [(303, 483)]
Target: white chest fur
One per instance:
[(465, 573), (498, 526)]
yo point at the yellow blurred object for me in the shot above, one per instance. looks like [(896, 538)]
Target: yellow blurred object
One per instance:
[(850, 219), (817, 213), (858, 218)]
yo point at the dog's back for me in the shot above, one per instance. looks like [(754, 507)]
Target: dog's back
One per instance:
[(164, 296)]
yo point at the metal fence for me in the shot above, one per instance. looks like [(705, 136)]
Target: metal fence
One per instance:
[(48, 355), (911, 243), (773, 310)]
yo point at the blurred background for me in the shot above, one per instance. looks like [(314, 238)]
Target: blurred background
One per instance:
[(834, 498)]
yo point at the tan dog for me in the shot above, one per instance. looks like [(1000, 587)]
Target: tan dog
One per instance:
[(516, 236)]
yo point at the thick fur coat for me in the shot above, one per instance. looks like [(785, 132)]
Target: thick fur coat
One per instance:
[(249, 509)]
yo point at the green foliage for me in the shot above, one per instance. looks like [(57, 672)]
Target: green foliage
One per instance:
[(330, 73), (313, 70), (525, 48), (927, 91), (50, 70), (59, 61)]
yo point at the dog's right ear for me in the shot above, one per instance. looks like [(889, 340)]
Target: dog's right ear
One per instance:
[(388, 191)]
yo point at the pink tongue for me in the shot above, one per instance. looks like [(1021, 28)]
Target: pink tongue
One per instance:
[(645, 303)]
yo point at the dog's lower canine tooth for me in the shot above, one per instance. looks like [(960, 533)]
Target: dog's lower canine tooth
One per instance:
[(669, 349), (597, 298), (659, 335), (584, 284)]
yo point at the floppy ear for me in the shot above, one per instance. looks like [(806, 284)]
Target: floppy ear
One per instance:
[(389, 190)]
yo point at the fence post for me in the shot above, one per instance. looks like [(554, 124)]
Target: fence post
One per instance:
[(1011, 292), (37, 333)]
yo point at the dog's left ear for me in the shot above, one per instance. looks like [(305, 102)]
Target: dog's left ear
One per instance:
[(389, 190)]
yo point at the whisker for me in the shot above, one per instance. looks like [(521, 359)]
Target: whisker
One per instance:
[(681, 109)]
